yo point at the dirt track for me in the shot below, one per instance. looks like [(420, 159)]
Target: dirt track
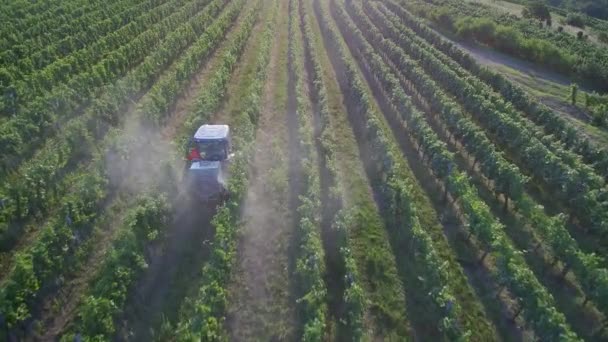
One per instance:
[(260, 307)]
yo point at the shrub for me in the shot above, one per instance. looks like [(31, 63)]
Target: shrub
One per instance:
[(442, 17), (575, 19), (508, 39), (580, 35), (536, 10), (480, 29)]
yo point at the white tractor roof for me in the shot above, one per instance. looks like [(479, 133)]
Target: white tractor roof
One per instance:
[(212, 132)]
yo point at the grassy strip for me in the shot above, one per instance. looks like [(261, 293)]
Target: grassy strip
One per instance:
[(202, 317), (353, 297), (370, 241), (399, 203), (39, 268), (512, 269), (383, 286), (143, 228), (360, 223)]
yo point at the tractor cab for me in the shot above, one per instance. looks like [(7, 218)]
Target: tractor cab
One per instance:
[(209, 153)]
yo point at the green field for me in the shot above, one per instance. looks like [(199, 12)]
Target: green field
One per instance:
[(386, 184)]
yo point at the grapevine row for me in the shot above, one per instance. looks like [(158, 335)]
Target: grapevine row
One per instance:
[(100, 308), (395, 192), (45, 49), (555, 146), (38, 266), (162, 96), (353, 295), (580, 189), (23, 195), (541, 114), (38, 269), (385, 292), (569, 158), (538, 304), (112, 50), (508, 179), (310, 259), (142, 231), (202, 316), (22, 134), (26, 16), (115, 45), (23, 22), (23, 11), (587, 267)]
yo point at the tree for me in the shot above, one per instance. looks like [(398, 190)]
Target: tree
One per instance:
[(575, 19), (580, 35), (536, 10), (442, 17)]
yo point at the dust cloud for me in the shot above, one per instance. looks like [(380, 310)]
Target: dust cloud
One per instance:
[(139, 159)]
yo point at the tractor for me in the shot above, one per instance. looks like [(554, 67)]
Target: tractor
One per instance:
[(208, 157)]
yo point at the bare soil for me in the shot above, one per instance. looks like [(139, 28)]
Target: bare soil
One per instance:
[(260, 307)]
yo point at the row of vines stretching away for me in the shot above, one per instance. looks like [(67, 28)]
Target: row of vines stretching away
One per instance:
[(382, 184)]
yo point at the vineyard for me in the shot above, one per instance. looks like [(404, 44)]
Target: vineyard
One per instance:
[(384, 186)]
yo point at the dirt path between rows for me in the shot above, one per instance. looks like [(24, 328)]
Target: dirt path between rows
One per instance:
[(260, 307)]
